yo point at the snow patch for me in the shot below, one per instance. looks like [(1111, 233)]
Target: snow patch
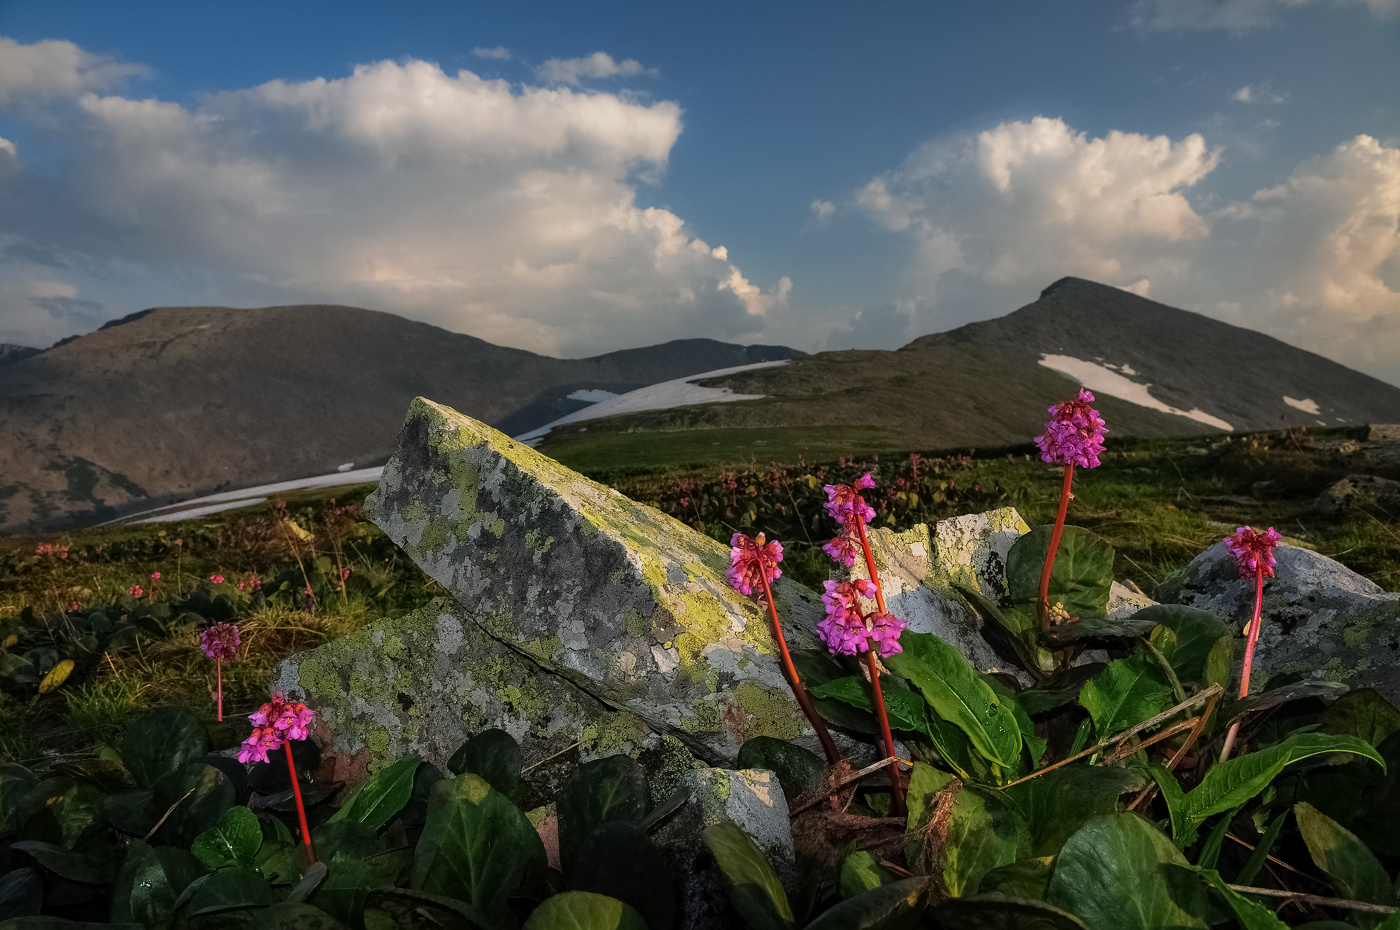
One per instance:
[(1102, 380), (1307, 405)]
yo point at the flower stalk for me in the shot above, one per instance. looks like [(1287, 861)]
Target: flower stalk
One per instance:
[(220, 642), (1254, 554), (301, 808), (896, 787), (275, 725), (1043, 607)]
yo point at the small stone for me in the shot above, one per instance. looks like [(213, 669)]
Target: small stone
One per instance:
[(1320, 618), (1124, 601), (1359, 492)]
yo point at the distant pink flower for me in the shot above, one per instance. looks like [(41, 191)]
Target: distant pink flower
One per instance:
[(1251, 550), (1074, 435), (220, 641), (753, 560), (136, 591), (216, 578), (155, 576), (256, 747)]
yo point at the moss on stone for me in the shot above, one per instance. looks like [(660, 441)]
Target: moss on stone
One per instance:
[(770, 713)]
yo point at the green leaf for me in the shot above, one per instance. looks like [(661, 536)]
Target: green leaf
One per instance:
[(405, 904), (799, 770), (234, 840), (1183, 831), (133, 812), (160, 742), (346, 889), (149, 883), (476, 845), (1111, 875), (1260, 854), (896, 906), (196, 795), (346, 839), (1010, 627), (619, 861), (1352, 868), (67, 863), (755, 891), (925, 782), (904, 707), (1080, 578), (955, 749), (1251, 914), (862, 871), (293, 915), (1060, 689), (21, 894), (1025, 879), (1230, 784), (984, 832), (614, 788), (1058, 803), (1128, 692), (380, 796), (1363, 713), (582, 910), (1209, 853), (16, 781), (1283, 694), (1219, 664), (1000, 912), (1035, 745), (62, 810), (232, 889), (958, 695), (1187, 636), (817, 667), (1071, 632), (494, 755)]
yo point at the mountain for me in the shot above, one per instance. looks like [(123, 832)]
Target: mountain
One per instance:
[(178, 401), (10, 353), (1156, 371)]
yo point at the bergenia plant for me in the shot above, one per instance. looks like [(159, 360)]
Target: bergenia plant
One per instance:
[(220, 642), (1073, 436), (849, 628), (275, 725), (753, 567), (1254, 554)]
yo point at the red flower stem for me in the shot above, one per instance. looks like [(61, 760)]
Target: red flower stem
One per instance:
[(301, 809), (799, 691), (896, 786), (219, 671), (1044, 607), (1248, 656)]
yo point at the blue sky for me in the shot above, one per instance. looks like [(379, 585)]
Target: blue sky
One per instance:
[(824, 175)]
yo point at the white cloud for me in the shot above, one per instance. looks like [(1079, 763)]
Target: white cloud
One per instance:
[(496, 53), (54, 68), (1229, 15), (822, 212), (1263, 92), (508, 213), (598, 65)]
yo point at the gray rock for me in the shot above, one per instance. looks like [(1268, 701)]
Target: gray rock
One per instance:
[(1124, 601), (1320, 618), (1361, 492), (425, 682), (628, 604)]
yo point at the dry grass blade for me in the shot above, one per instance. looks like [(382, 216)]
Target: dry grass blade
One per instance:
[(844, 780), (169, 811), (1315, 899)]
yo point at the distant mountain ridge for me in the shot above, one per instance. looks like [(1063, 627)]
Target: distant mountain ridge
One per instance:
[(178, 401)]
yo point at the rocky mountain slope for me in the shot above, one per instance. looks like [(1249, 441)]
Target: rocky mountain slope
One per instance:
[(1156, 370), (173, 402)]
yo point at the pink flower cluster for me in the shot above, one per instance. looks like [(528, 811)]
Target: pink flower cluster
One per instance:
[(753, 560), (846, 506), (216, 578), (274, 723), (1074, 434), (220, 641), (51, 549), (1252, 550), (155, 576), (136, 591), (847, 629)]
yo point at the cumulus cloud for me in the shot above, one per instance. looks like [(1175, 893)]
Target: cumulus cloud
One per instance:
[(53, 68), (1263, 92), (506, 212), (496, 53), (598, 65), (1229, 15), (822, 212)]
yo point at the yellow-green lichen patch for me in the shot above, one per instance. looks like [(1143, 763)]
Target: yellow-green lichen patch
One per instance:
[(770, 713), (1356, 634), (613, 733)]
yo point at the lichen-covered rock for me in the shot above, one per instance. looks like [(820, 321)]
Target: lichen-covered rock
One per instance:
[(1124, 601), (919, 568), (1320, 618), (627, 603), (1359, 492), (425, 682)]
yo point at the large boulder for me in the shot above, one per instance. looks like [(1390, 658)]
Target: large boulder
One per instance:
[(626, 603), (1320, 618)]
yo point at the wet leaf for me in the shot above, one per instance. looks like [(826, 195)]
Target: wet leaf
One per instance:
[(799, 770), (494, 755), (754, 889), (581, 910), (614, 788)]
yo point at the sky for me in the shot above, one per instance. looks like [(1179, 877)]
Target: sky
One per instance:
[(579, 178)]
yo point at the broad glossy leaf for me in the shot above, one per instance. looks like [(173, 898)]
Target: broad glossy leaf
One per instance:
[(345, 890), (580, 910), (1283, 694), (1361, 797), (957, 694), (231, 889), (1186, 637), (618, 860), (1353, 869), (862, 871), (494, 755), (293, 915), (904, 707), (799, 770), (1230, 784), (196, 795), (1114, 874), (16, 781), (381, 796), (925, 782), (954, 749), (1025, 879), (1066, 634), (816, 667), (233, 840), (1001, 912), (133, 812), (984, 832), (61, 810), (1362, 713), (1058, 803), (614, 788), (1127, 692), (1080, 578), (1060, 689), (476, 845), (346, 839), (1183, 829), (754, 889), (21, 894), (150, 881), (71, 865), (160, 742), (896, 906), (1251, 914)]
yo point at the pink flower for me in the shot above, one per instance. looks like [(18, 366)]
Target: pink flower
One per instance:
[(1074, 434), (155, 576), (220, 641), (256, 747), (1251, 550), (885, 630), (843, 549), (136, 591), (753, 560), (843, 629), (216, 578), (843, 501), (288, 719), (295, 721)]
